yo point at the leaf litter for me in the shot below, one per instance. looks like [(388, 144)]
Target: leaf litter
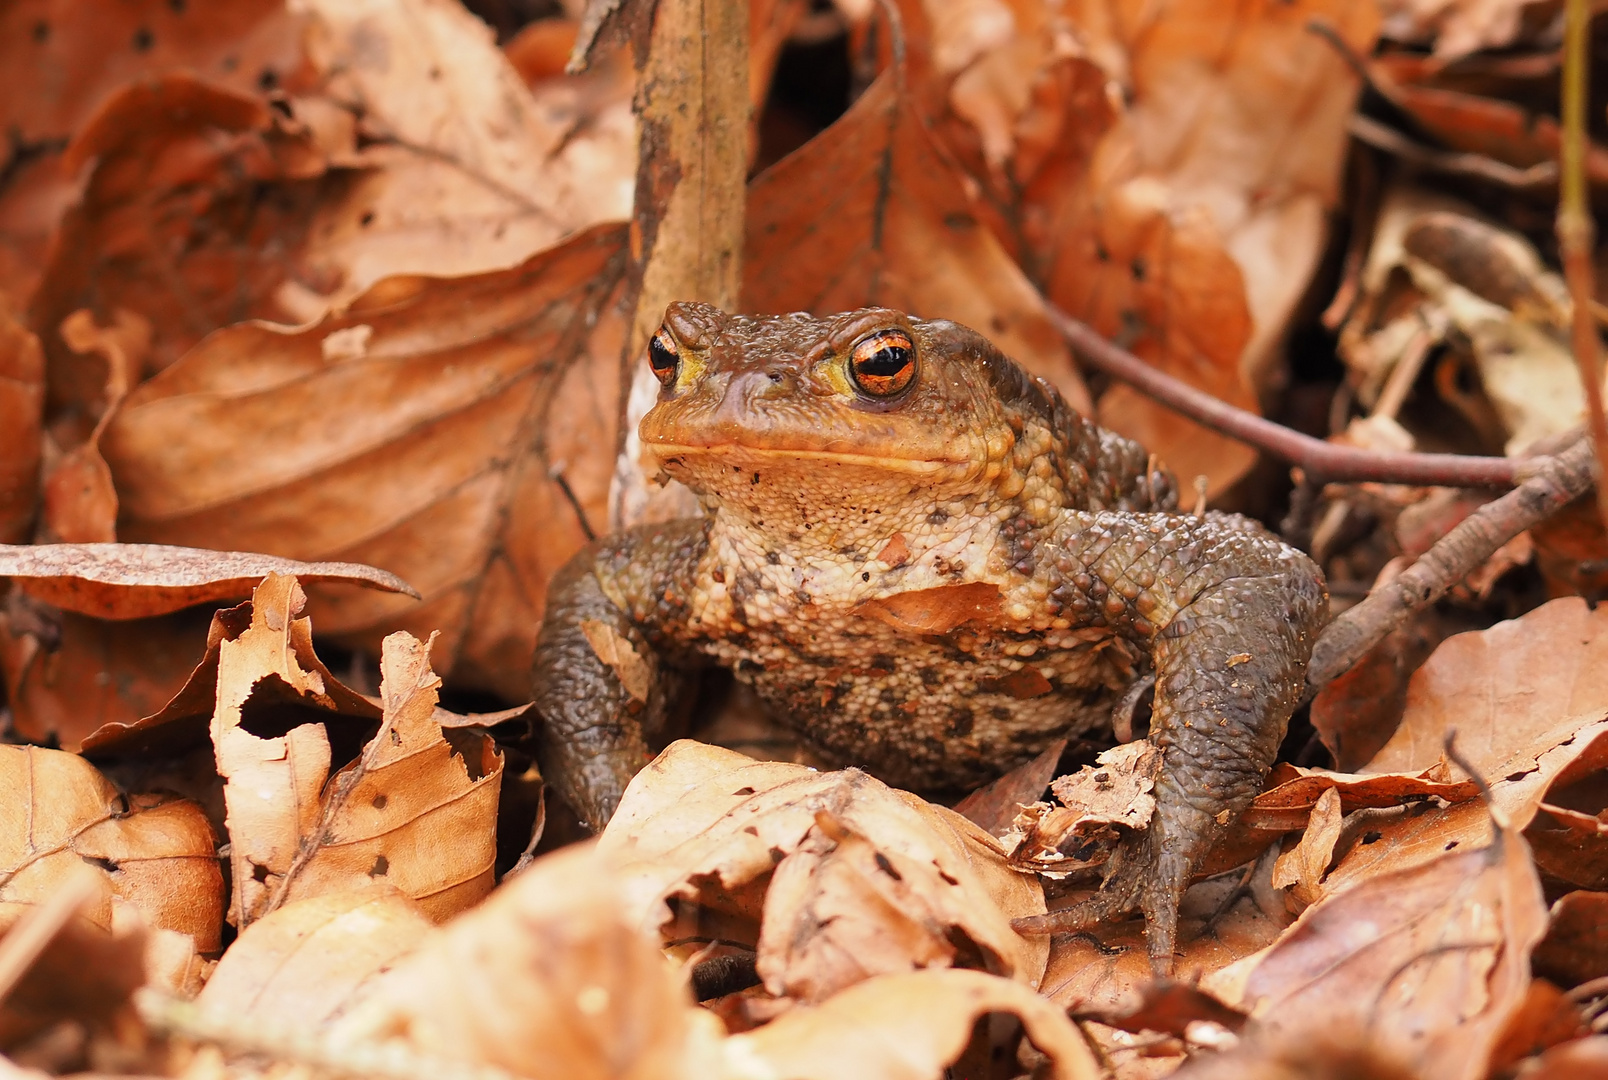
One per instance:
[(342, 284)]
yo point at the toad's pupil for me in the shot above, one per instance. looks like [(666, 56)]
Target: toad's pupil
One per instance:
[(662, 358), (885, 362)]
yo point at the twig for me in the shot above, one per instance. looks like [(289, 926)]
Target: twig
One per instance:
[(1321, 460), (1555, 483), (1384, 137), (1577, 231), (301, 1044)]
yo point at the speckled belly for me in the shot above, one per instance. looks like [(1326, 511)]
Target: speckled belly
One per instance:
[(927, 712)]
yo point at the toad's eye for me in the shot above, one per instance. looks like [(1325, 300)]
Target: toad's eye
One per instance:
[(664, 356), (883, 364)]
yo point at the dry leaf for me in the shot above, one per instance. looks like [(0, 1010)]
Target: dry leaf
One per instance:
[(911, 883), (22, 402), (1575, 949), (1427, 964), (468, 450), (70, 675), (1201, 217), (302, 965), (904, 1027), (61, 968), (552, 976), (1502, 688), (154, 852), (60, 59), (1304, 865), (1459, 27), (465, 169), (384, 816), (134, 581), (994, 806)]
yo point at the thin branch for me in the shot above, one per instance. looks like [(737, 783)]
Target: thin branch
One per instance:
[(1323, 461), (1577, 231), (1384, 137), (1556, 482)]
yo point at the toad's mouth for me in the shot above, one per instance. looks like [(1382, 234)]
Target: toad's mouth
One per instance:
[(671, 454)]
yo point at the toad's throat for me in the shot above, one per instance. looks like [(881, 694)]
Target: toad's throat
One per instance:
[(668, 453)]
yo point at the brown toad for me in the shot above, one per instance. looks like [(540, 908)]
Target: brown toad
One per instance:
[(926, 562)]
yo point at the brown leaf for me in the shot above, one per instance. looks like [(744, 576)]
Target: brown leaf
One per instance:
[(468, 449), (778, 852), (302, 965), (1357, 713), (907, 1027), (895, 229), (60, 59), (1200, 219), (552, 976), (1574, 750), (1427, 964), (385, 816), (1575, 949), (134, 581), (994, 806), (22, 402), (1502, 688), (1304, 865), (70, 675), (465, 170), (169, 226), (154, 852), (616, 650)]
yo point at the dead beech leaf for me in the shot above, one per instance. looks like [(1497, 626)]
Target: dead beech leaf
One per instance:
[(553, 975), (1459, 27), (302, 965), (895, 229), (408, 812), (469, 449), (69, 675), (994, 806), (22, 403), (1201, 216), (1428, 964), (169, 225), (1304, 865), (60, 59), (1502, 688), (1575, 949), (935, 611), (464, 168), (906, 1027), (710, 827), (1576, 750), (154, 852), (134, 581)]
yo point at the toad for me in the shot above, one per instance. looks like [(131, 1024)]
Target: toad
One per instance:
[(932, 567)]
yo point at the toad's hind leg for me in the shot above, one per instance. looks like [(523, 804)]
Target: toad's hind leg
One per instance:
[(1230, 661)]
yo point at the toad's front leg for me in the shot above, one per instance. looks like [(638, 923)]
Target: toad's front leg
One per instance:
[(599, 680), (1229, 613)]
